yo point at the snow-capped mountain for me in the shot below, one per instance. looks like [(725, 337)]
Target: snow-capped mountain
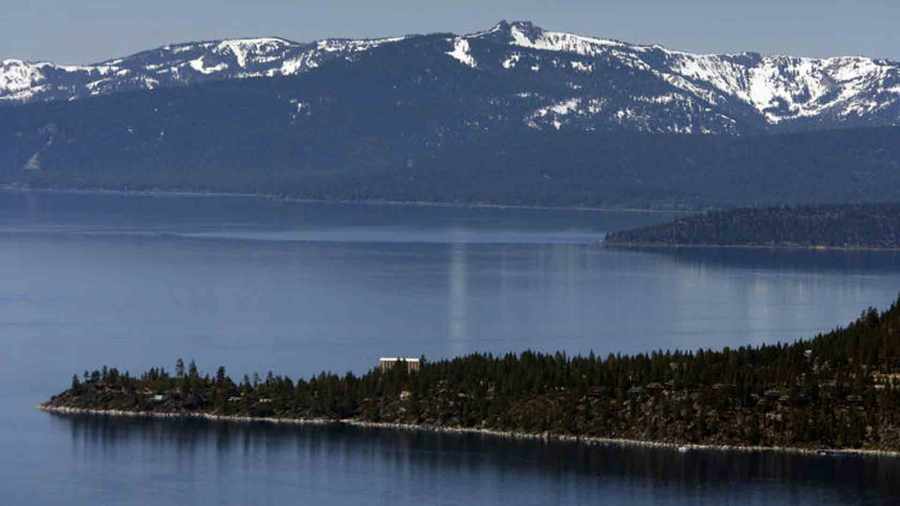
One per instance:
[(179, 64), (561, 80), (778, 88)]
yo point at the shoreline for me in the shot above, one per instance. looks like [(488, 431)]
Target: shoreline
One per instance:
[(547, 437), (659, 246), (368, 202)]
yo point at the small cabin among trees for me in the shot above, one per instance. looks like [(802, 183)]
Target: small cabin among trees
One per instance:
[(412, 364)]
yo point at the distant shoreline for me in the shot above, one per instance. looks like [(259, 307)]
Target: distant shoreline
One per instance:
[(871, 226), (586, 440), (797, 247), (368, 202)]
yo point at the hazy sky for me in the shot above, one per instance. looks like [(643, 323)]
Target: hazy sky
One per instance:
[(85, 31)]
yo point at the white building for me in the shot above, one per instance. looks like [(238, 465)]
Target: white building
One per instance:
[(385, 363)]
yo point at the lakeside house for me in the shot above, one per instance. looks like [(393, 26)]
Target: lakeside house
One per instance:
[(385, 363)]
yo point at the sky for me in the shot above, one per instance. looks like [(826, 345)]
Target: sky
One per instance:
[(87, 31)]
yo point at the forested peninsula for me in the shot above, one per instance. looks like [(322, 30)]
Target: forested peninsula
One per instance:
[(839, 390), (864, 226)]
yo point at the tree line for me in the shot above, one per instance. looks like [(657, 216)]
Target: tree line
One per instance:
[(868, 226), (839, 389)]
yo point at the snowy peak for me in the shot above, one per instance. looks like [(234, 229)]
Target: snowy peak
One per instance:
[(527, 35), (518, 32)]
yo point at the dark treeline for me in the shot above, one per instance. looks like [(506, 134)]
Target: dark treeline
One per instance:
[(837, 390), (870, 226)]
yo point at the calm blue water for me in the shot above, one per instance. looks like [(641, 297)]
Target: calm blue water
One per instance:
[(258, 285)]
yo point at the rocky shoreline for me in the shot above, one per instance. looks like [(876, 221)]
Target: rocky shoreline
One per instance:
[(546, 436), (838, 393)]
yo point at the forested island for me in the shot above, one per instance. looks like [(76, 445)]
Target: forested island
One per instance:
[(864, 226), (839, 390)]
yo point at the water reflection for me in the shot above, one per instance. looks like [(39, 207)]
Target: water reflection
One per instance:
[(403, 467), (779, 260), (458, 298)]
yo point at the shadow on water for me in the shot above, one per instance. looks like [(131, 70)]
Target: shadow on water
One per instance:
[(607, 471)]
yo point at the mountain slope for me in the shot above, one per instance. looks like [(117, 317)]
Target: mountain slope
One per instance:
[(316, 136), (557, 80), (512, 115)]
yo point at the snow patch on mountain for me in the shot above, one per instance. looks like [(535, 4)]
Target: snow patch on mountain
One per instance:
[(511, 61), (242, 49), (667, 98), (586, 68), (294, 66), (557, 114), (524, 34), (353, 45), (461, 53), (17, 76), (199, 66), (561, 108)]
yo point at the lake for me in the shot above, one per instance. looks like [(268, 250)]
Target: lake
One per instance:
[(137, 281)]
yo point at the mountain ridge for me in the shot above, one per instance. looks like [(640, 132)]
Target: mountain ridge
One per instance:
[(602, 81)]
